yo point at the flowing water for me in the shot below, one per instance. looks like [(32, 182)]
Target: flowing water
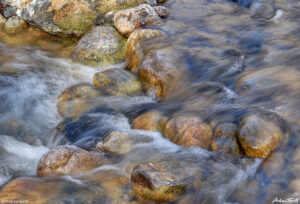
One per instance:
[(247, 60)]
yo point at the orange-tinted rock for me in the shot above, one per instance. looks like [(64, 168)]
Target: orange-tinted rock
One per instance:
[(259, 137), (68, 160), (188, 131), (151, 121)]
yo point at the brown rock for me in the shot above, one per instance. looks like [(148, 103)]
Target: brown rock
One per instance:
[(151, 183), (295, 185), (15, 25), (118, 82), (127, 20), (68, 160), (188, 131), (225, 139), (160, 71), (151, 121), (135, 49), (258, 137), (2, 21), (77, 99)]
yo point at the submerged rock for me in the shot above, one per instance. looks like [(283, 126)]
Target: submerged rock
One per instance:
[(118, 82), (152, 183), (225, 139), (135, 48), (151, 121), (68, 160), (2, 20), (187, 130), (15, 25), (77, 99), (262, 10), (126, 21), (102, 45), (258, 136)]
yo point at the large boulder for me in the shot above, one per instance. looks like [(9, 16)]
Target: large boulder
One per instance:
[(15, 25), (188, 130), (68, 160), (102, 45), (77, 99), (67, 17), (135, 48), (118, 82), (153, 183), (259, 136), (126, 21), (225, 139)]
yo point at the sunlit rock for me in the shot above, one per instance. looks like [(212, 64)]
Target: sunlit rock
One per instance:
[(225, 139), (68, 160), (15, 25), (102, 45), (126, 21), (188, 130), (118, 82), (258, 136), (162, 11), (152, 121), (77, 99), (135, 48), (153, 183)]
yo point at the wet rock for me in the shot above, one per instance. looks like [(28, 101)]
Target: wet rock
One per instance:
[(274, 164), (118, 82), (152, 183), (102, 45), (160, 71), (162, 11), (258, 136), (77, 99), (2, 20), (116, 142), (225, 139), (151, 121), (135, 48), (15, 25), (68, 160), (10, 11), (295, 185), (187, 130), (126, 21), (262, 10)]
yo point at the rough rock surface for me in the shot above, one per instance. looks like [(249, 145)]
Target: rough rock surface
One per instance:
[(68, 160), (101, 45), (126, 21), (15, 25), (162, 11)]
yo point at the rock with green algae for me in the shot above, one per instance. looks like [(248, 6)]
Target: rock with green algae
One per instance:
[(118, 82), (68, 17), (102, 45)]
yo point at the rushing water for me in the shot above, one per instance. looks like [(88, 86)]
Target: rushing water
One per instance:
[(249, 59)]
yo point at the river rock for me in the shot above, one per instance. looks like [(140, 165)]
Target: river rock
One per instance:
[(118, 82), (187, 130), (274, 164), (15, 25), (77, 99), (2, 20), (152, 183), (262, 10), (102, 45), (116, 142), (162, 11), (135, 48), (258, 136), (160, 71), (68, 160), (151, 121), (126, 21), (225, 139)]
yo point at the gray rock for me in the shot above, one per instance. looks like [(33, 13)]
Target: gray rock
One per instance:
[(162, 11), (15, 25)]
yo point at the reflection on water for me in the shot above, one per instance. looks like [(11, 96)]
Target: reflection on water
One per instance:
[(239, 60)]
